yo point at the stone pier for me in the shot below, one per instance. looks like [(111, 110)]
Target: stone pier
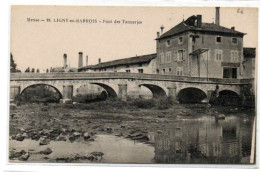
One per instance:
[(67, 94), (122, 92)]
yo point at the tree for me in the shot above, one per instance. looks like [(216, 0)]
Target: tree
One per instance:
[(13, 65), (27, 70), (33, 70), (47, 70), (37, 71)]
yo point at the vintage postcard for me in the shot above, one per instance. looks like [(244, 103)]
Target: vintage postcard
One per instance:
[(133, 85)]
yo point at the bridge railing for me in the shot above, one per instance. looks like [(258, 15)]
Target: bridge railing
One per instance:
[(123, 75)]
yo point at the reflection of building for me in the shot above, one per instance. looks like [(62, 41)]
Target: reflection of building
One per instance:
[(201, 142)]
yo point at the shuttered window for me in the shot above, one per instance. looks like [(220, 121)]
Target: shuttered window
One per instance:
[(161, 58), (181, 55), (168, 57), (175, 56)]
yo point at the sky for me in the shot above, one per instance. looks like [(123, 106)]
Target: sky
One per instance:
[(42, 44)]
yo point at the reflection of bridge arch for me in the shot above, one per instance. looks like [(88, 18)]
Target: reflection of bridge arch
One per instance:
[(191, 95), (33, 85), (110, 91), (156, 90)]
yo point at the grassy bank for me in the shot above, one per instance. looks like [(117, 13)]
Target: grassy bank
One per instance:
[(159, 103)]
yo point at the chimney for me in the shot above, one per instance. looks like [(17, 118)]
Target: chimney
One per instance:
[(80, 59), (64, 60), (199, 20), (99, 61), (217, 19), (86, 60), (158, 34), (162, 27), (232, 28)]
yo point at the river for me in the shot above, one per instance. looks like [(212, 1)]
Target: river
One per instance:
[(184, 141)]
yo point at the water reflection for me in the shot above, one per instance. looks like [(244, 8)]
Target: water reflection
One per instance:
[(205, 140)]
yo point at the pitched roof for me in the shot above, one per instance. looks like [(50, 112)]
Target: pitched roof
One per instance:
[(190, 25), (127, 61), (249, 52)]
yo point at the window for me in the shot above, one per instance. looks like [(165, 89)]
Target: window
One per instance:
[(181, 55), (193, 40), (128, 71), (168, 42), (163, 71), (170, 70), (161, 59), (234, 40), (205, 56), (218, 55), (140, 71), (234, 56), (218, 39), (157, 71), (180, 40), (179, 71), (229, 72), (168, 57)]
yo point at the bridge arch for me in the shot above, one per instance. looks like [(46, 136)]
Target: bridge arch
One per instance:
[(156, 90), (42, 84), (110, 91), (191, 95), (228, 97)]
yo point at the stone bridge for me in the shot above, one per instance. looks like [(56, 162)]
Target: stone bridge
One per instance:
[(121, 85)]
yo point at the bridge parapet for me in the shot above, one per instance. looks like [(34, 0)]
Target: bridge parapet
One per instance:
[(124, 75)]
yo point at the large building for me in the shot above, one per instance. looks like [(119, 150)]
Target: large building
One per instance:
[(197, 49), (191, 48)]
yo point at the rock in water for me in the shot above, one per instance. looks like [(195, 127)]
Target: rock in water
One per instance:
[(86, 136), (63, 131), (47, 151), (220, 116), (19, 137), (72, 138), (13, 106), (60, 138), (35, 137), (25, 135), (17, 154), (24, 157), (44, 141), (97, 153), (76, 134)]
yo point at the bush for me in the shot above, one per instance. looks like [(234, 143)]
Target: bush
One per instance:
[(88, 98), (142, 103), (158, 103)]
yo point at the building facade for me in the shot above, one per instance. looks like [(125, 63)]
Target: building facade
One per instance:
[(137, 64), (197, 49)]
